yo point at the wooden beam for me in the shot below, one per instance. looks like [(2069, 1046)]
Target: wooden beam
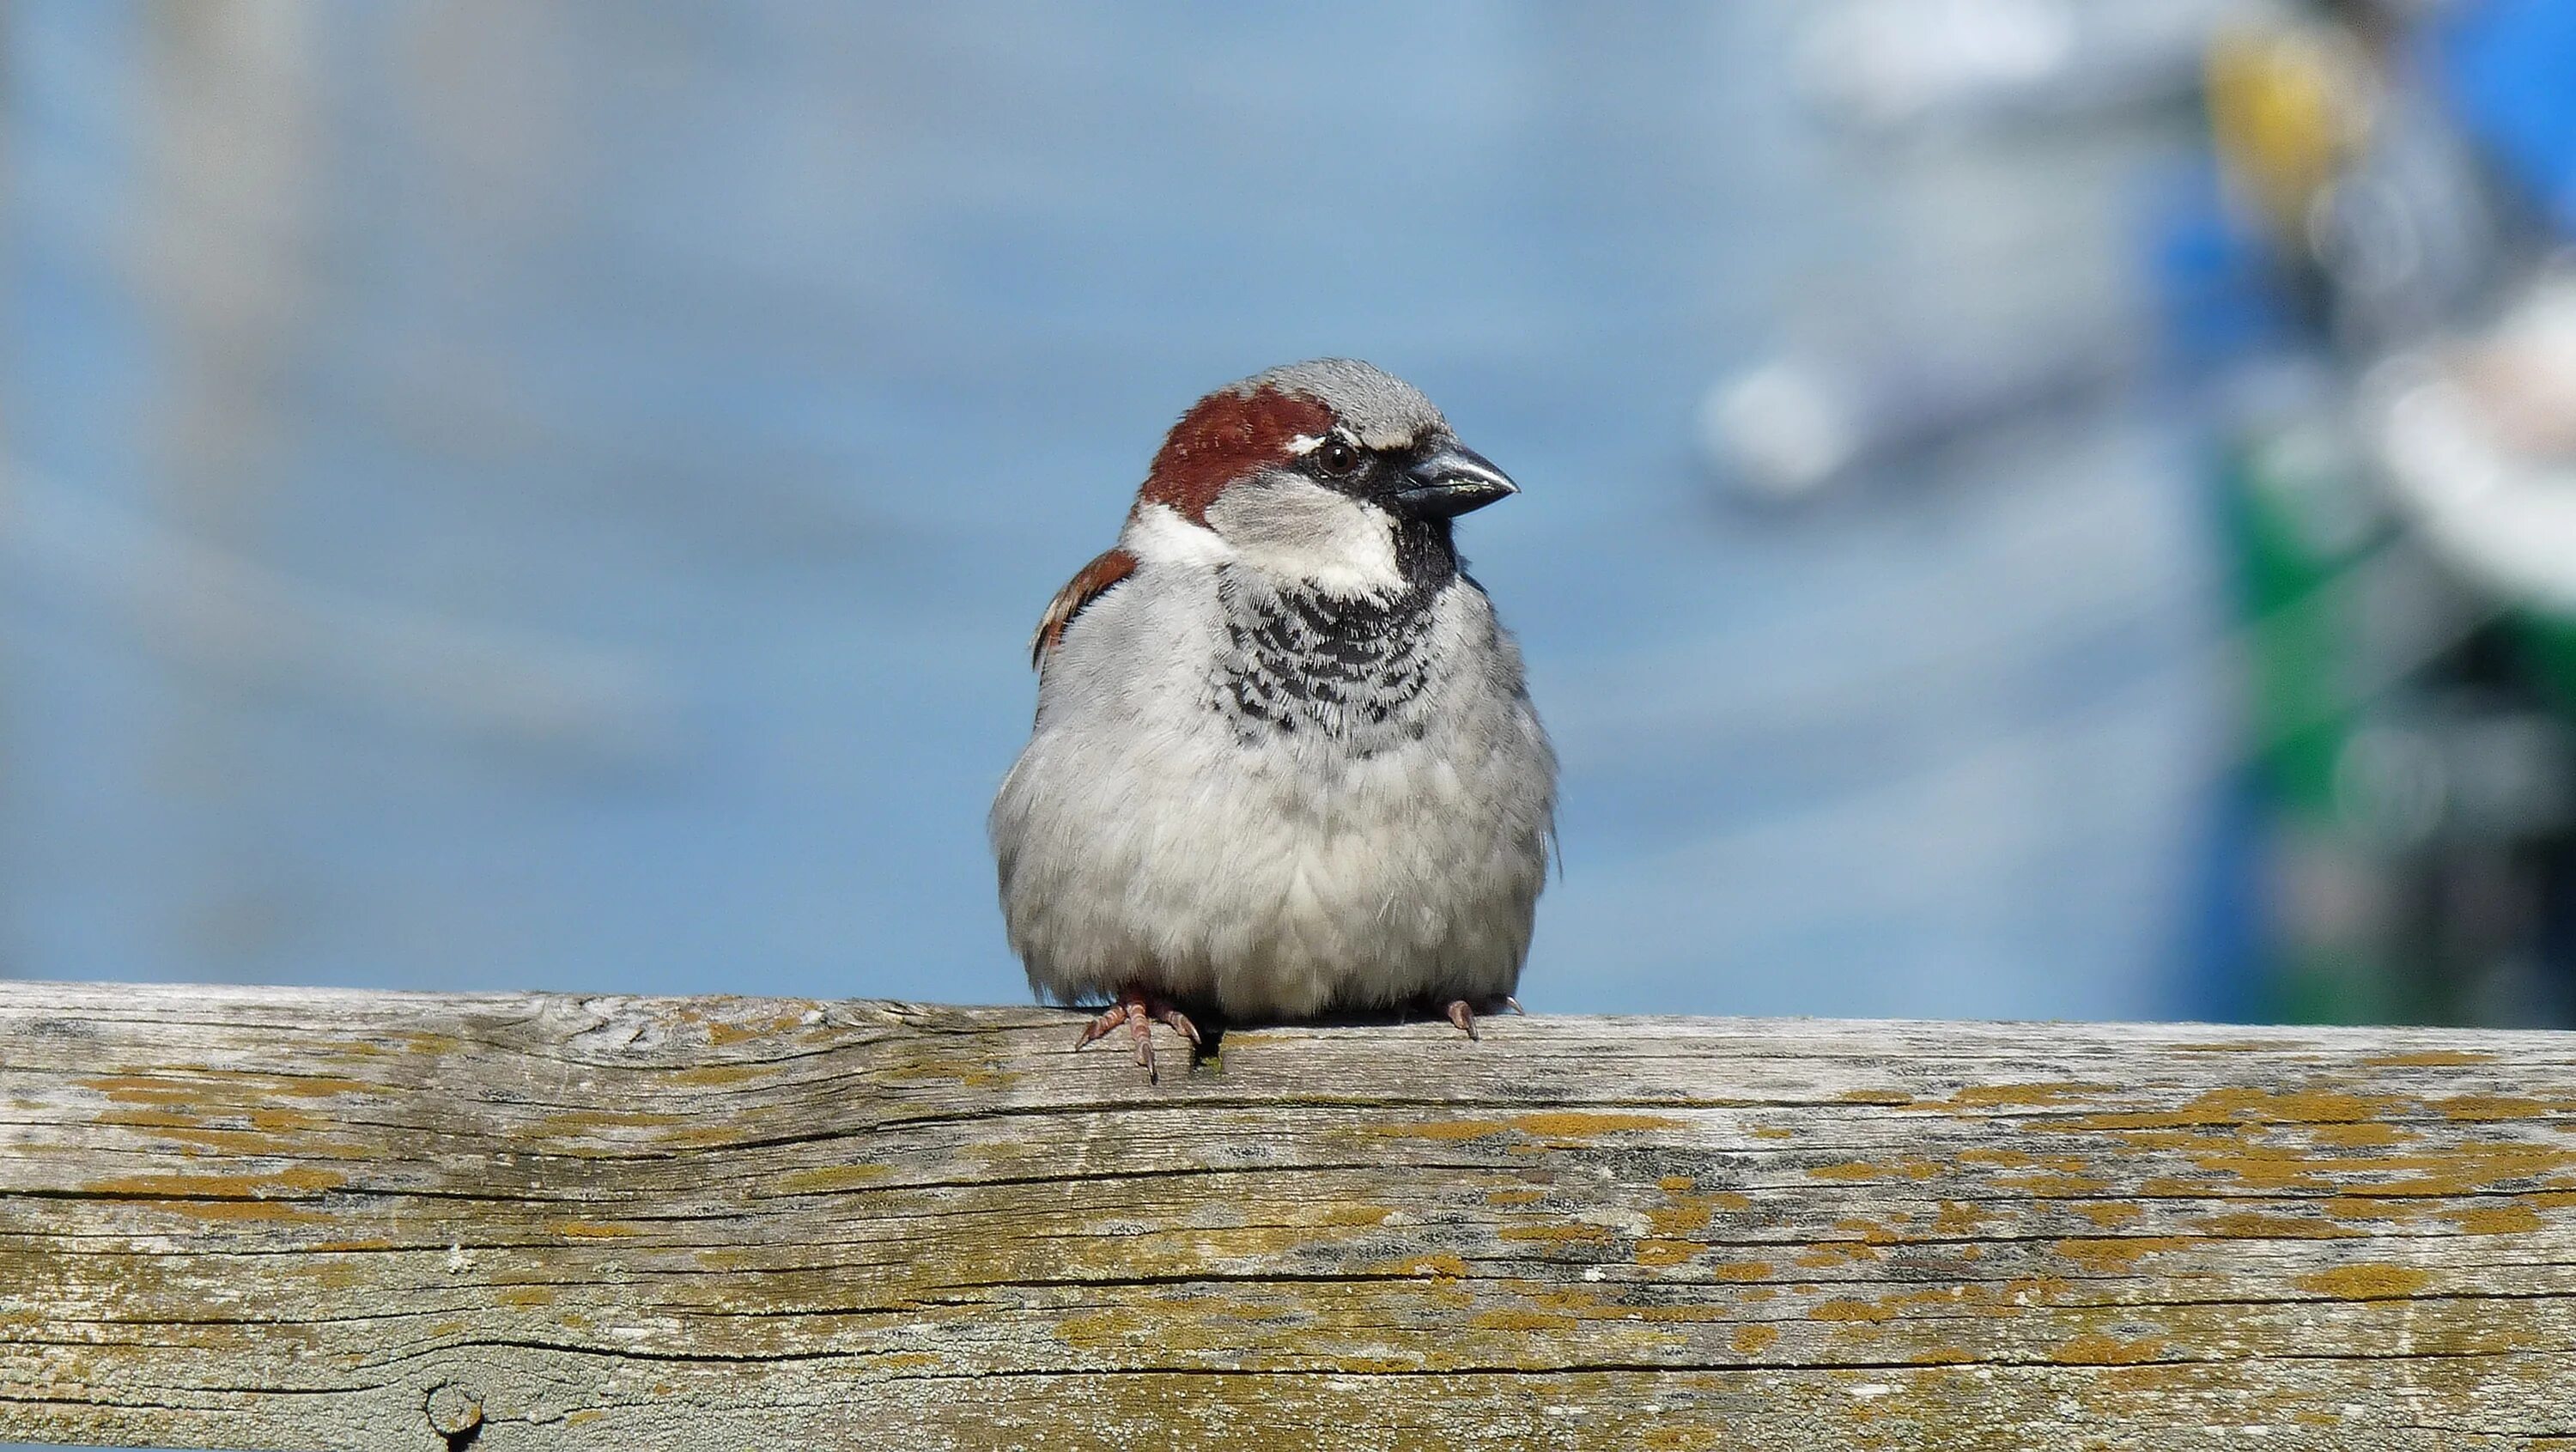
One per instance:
[(241, 1217)]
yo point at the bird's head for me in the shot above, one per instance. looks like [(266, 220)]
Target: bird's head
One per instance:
[(1329, 474)]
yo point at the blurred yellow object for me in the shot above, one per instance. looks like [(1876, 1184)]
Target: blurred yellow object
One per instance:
[(2286, 108)]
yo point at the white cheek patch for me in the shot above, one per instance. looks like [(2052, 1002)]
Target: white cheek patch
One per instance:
[(1294, 529), (1157, 535)]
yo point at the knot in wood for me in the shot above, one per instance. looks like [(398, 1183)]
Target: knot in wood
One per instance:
[(454, 1410)]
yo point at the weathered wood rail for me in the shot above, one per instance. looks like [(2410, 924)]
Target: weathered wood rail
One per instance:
[(267, 1218)]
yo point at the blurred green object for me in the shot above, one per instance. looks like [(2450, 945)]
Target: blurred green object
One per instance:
[(2548, 642), (2300, 527), (2301, 524), (2415, 741)]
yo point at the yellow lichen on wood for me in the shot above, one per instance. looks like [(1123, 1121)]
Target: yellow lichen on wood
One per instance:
[(2366, 1282)]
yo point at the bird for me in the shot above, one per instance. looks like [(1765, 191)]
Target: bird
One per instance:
[(1285, 764)]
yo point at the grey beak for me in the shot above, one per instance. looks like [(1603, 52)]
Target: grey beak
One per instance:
[(1450, 482)]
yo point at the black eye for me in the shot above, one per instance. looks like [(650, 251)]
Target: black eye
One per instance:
[(1336, 457)]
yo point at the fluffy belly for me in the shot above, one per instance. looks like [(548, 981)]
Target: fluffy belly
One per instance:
[(1276, 894)]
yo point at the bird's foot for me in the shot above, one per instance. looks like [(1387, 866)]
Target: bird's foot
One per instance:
[(1140, 1011), (1463, 1013)]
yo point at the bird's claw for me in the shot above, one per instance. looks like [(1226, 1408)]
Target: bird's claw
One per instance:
[(1140, 1011), (1463, 1014)]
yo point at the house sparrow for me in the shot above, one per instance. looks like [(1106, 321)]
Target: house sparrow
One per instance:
[(1284, 763)]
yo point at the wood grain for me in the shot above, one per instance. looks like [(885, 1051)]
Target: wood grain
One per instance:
[(239, 1217)]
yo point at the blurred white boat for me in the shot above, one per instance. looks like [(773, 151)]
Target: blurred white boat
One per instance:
[(2478, 442)]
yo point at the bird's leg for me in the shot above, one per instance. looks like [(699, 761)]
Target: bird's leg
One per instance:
[(1140, 1011), (1463, 1014)]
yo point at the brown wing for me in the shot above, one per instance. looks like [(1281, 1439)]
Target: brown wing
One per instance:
[(1093, 582)]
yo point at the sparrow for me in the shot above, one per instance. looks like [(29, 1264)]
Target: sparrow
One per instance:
[(1285, 764)]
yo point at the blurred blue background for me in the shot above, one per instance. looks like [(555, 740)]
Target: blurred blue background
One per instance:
[(556, 496)]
